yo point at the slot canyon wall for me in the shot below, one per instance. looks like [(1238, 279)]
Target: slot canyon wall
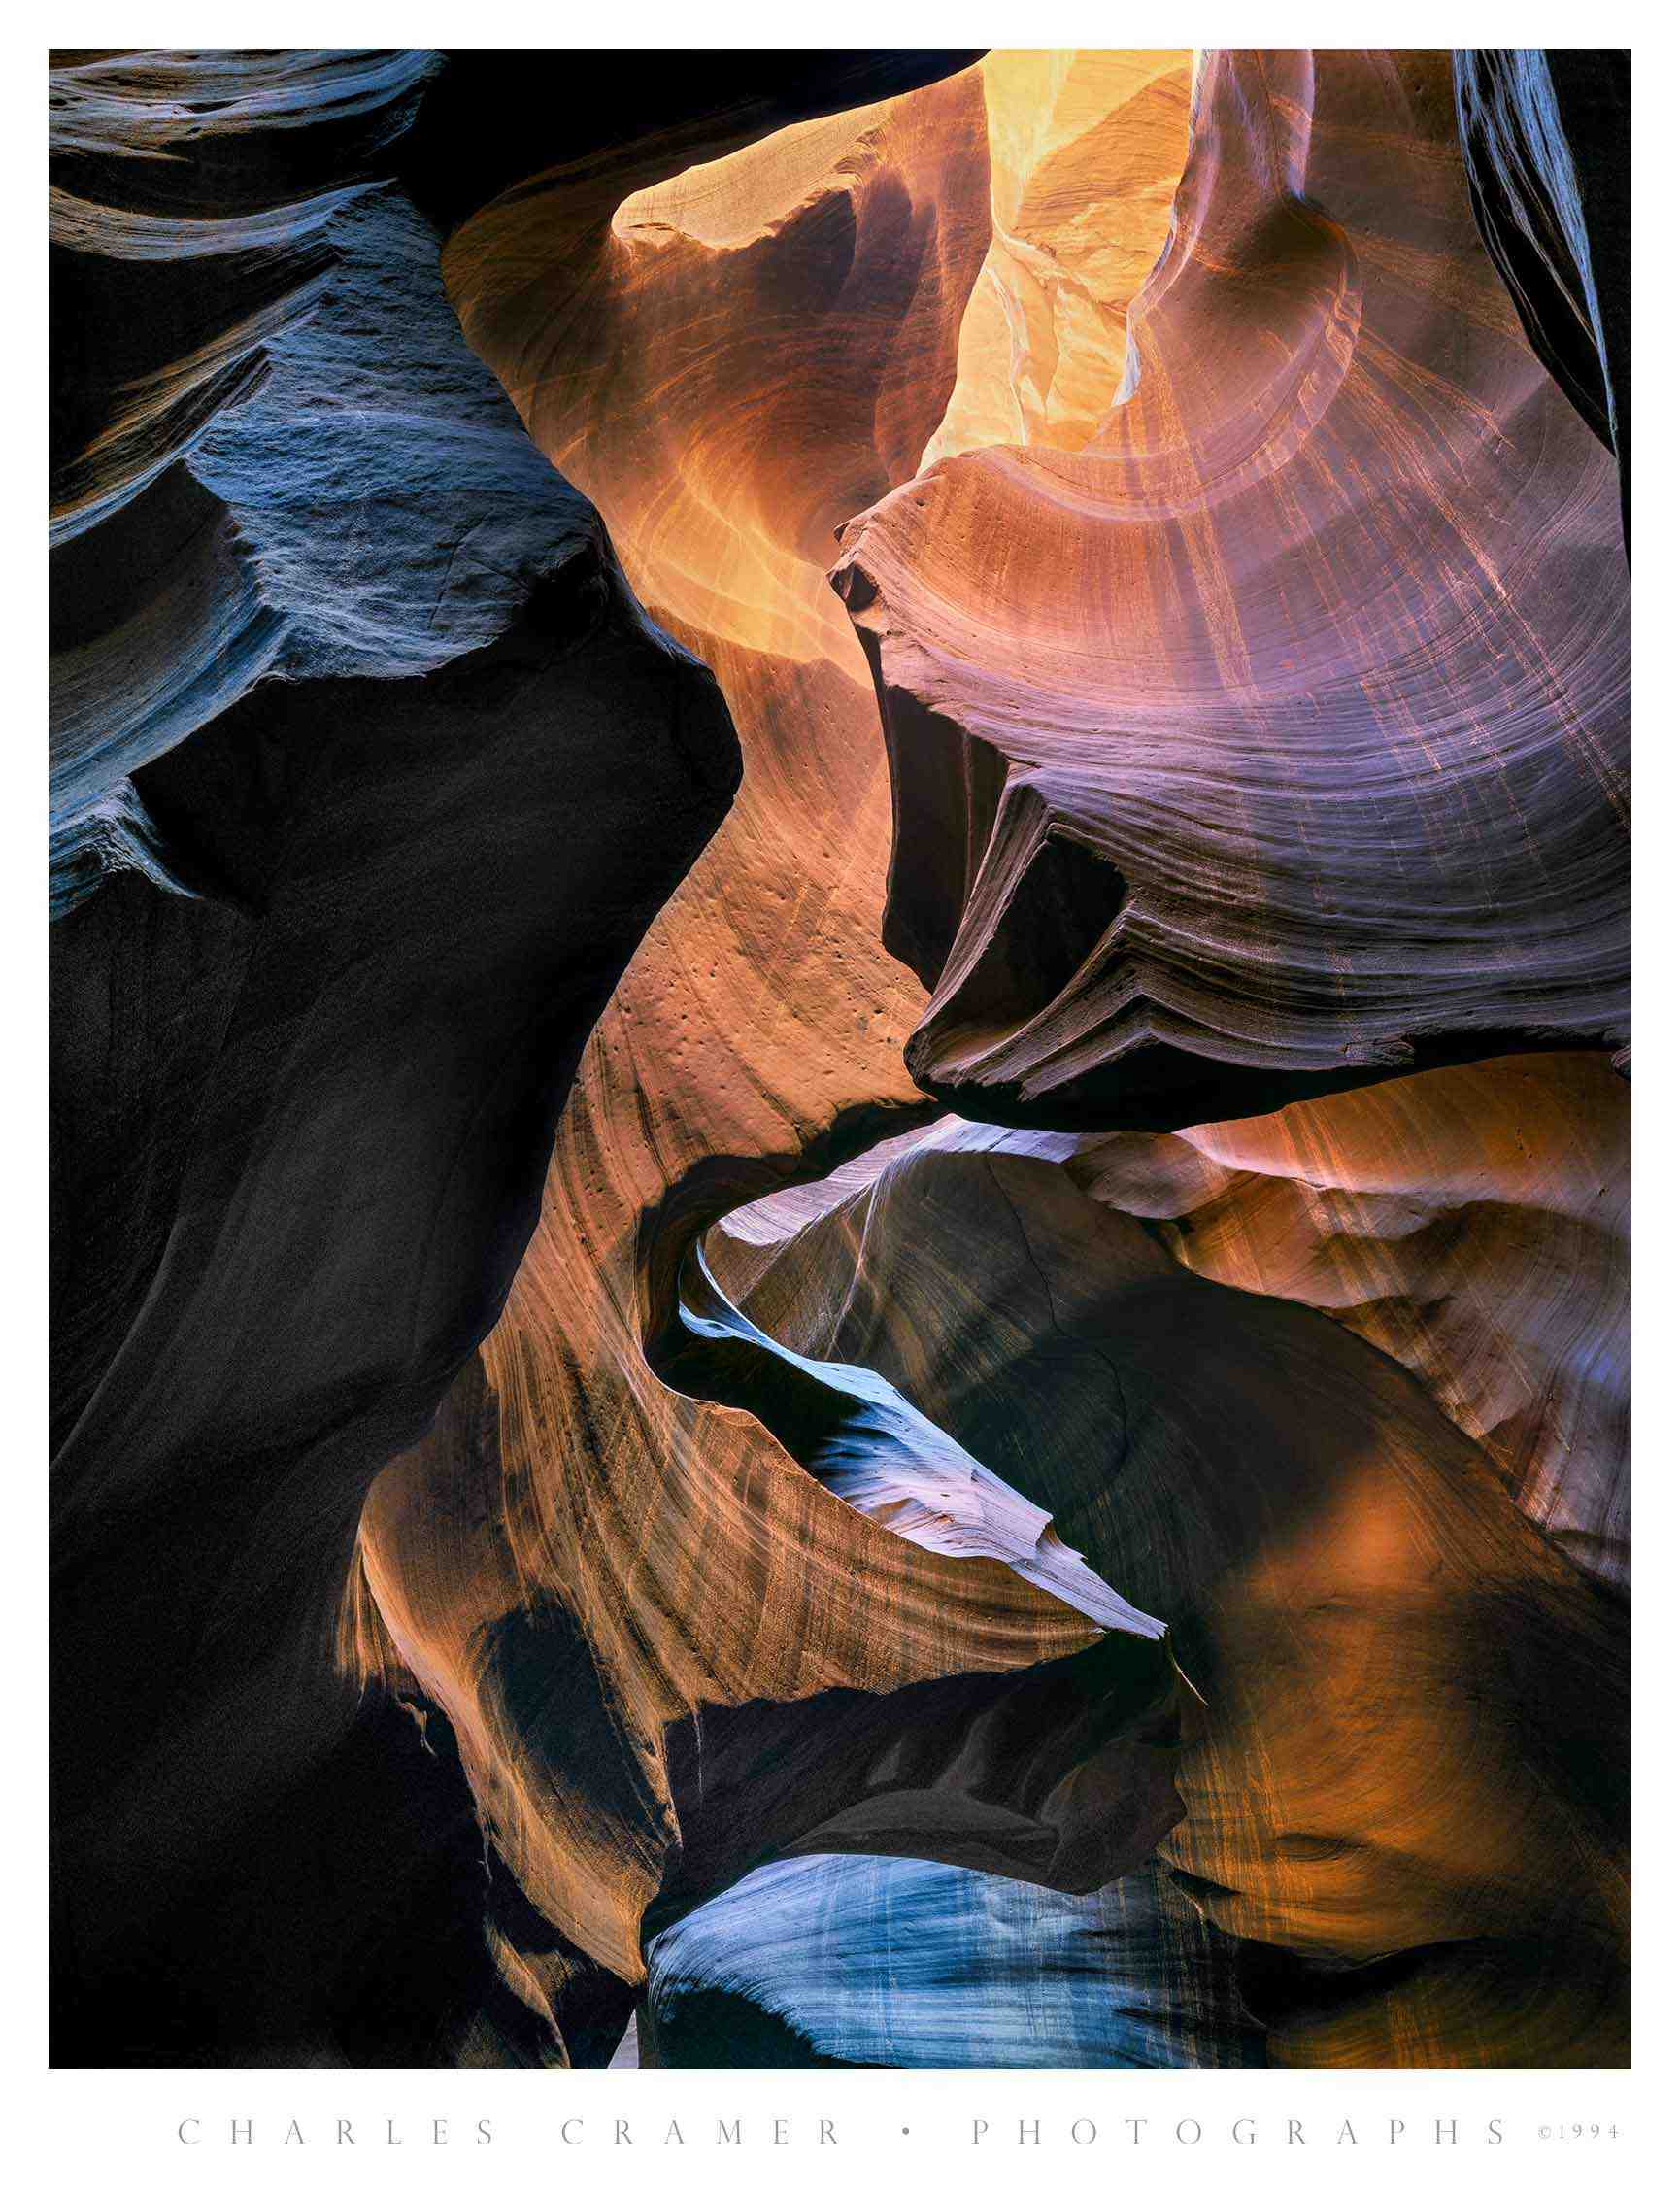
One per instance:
[(840, 1036)]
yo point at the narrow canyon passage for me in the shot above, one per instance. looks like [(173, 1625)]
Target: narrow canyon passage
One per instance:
[(841, 1060)]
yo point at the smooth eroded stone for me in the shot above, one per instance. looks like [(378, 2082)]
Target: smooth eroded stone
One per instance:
[(1275, 740)]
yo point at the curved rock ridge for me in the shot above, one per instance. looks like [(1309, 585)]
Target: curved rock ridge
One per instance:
[(1277, 740), (275, 455), (338, 665), (334, 811), (735, 357), (242, 303), (756, 1037), (1546, 141), (1472, 1223), (857, 1435), (209, 132), (187, 192), (1334, 1556)]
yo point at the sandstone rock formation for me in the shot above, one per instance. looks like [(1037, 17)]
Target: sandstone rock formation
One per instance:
[(1350, 1581), (689, 1349), (1546, 149), (305, 1091), (756, 1034), (1288, 743)]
